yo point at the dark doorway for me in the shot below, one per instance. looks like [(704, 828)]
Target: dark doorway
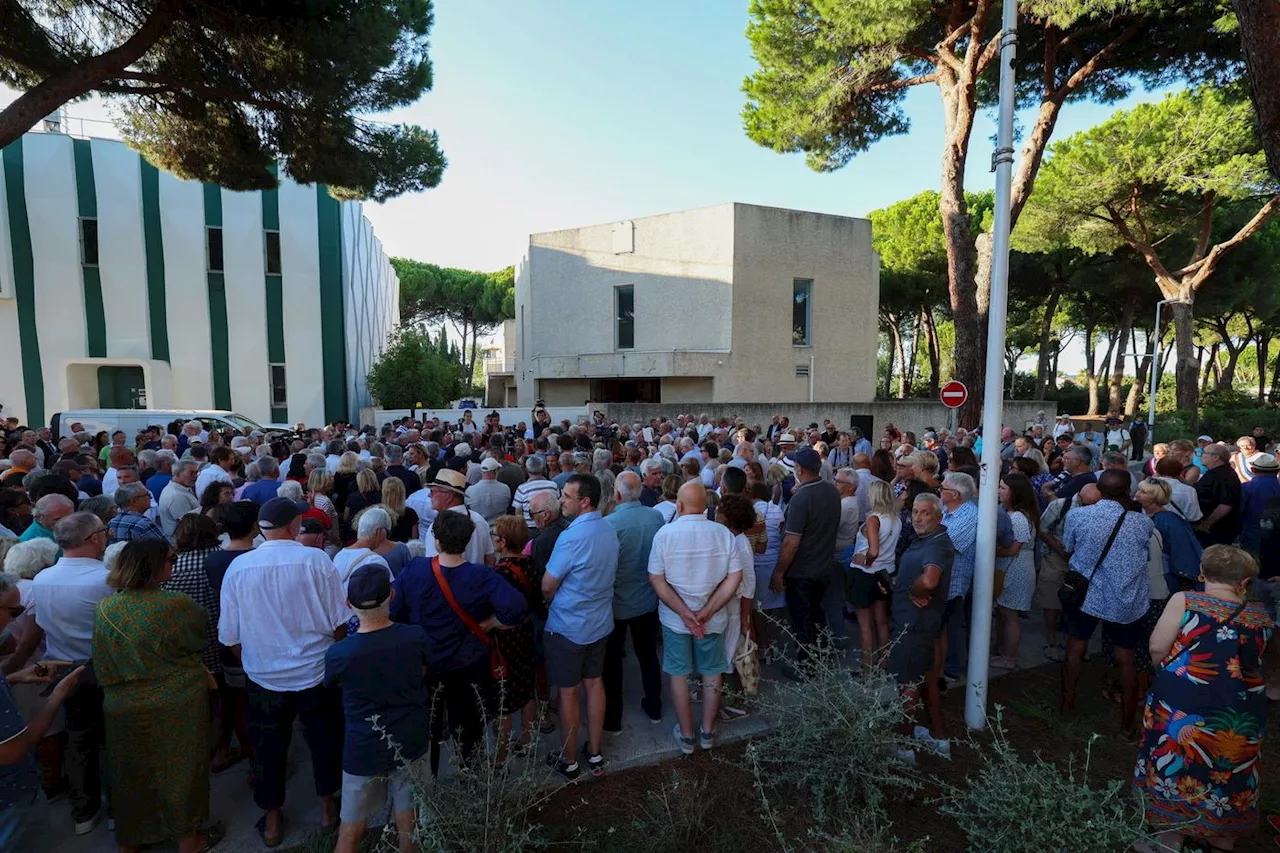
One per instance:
[(121, 387), (864, 423), (626, 391)]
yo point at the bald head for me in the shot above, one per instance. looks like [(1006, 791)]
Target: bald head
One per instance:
[(628, 487), (544, 507), (861, 460), (692, 498), (1089, 494)]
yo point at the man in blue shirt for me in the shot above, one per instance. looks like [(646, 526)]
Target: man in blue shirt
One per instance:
[(162, 475), (264, 489), (635, 604), (579, 585), (1255, 496)]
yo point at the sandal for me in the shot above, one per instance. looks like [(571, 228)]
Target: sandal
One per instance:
[(261, 826), (233, 755), (729, 714), (213, 834)]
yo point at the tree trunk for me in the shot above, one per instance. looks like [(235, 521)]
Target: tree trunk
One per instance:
[(1227, 377), (1094, 400), (1260, 36), (1273, 395), (1090, 352), (905, 392), (1263, 343), (903, 379), (958, 103), (1139, 385), (1053, 373), (935, 352), (1186, 368), (1046, 333), (891, 326), (1211, 369), (1123, 332)]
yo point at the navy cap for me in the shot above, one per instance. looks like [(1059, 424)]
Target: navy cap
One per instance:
[(808, 459), (279, 512), (369, 586), (312, 525)]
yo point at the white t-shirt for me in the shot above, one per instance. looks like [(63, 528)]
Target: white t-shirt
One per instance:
[(209, 475), (479, 546), (1184, 501), (694, 554), (1118, 437), (348, 560), (890, 528)]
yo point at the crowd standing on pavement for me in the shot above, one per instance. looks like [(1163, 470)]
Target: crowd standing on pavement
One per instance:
[(394, 589)]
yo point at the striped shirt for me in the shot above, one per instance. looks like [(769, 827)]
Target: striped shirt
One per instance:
[(525, 492)]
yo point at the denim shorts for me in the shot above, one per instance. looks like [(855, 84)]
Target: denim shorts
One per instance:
[(365, 796), (683, 654)]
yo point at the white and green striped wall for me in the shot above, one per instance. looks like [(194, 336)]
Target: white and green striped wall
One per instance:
[(302, 291)]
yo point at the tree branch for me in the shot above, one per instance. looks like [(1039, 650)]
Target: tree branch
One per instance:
[(170, 84), (1206, 226), (1202, 269), (81, 79)]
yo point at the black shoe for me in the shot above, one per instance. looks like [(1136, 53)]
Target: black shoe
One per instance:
[(595, 763), (569, 771), (613, 730)]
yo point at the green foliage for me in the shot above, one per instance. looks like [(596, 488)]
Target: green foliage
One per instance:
[(434, 294), (411, 370), (1147, 171), (219, 91), (1011, 805), (1226, 398)]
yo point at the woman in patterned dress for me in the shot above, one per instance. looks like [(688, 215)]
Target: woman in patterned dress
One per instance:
[(147, 644), (516, 691), (1018, 562), (1202, 728)]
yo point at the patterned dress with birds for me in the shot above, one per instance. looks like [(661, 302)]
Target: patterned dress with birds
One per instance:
[(1204, 721)]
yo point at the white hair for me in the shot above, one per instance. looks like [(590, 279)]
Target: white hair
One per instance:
[(112, 555), (628, 487), (28, 559), (962, 483), (647, 466), (290, 489), (372, 520)]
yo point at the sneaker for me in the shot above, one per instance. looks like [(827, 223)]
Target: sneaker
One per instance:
[(653, 713), (1053, 653), (951, 679), (707, 740), (686, 744), (942, 746), (569, 771), (906, 756), (84, 827), (611, 730), (595, 763)]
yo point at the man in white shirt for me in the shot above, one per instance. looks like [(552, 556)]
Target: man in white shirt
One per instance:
[(847, 481), (489, 497), (448, 491), (1184, 500), (282, 607), (65, 597), (178, 497), (120, 457), (689, 569), (221, 461)]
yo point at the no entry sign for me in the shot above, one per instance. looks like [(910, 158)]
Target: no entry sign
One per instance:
[(953, 394)]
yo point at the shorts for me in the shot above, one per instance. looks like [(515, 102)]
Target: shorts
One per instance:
[(911, 657), (365, 796), (863, 590), (684, 654), (955, 608), (1053, 568), (569, 663), (1080, 626)]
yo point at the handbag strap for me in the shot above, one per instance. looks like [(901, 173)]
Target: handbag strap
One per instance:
[(520, 576), (1112, 538), (471, 624)]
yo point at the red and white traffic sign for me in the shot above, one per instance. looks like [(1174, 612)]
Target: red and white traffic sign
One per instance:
[(953, 394)]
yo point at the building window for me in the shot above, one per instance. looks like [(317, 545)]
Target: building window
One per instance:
[(213, 243), (89, 242), (801, 311), (625, 302), (279, 396), (272, 246)]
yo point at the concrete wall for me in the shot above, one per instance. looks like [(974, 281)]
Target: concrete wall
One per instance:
[(914, 415)]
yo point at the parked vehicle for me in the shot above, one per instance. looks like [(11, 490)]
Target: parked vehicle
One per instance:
[(134, 420)]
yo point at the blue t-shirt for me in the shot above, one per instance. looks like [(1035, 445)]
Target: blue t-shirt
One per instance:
[(381, 673), (585, 560), (261, 491), (18, 782), (156, 483)]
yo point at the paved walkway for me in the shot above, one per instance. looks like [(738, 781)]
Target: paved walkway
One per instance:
[(641, 742)]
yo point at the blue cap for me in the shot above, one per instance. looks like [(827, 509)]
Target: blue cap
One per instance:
[(278, 513), (369, 586), (808, 459)]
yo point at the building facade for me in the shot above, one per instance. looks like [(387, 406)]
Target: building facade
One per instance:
[(122, 286), (722, 304)]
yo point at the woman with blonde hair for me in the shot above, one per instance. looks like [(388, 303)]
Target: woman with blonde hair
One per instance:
[(365, 493), (404, 521), (1205, 716), (873, 562), (670, 489), (344, 478)]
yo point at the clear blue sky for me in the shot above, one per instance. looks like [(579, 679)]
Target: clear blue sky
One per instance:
[(562, 113)]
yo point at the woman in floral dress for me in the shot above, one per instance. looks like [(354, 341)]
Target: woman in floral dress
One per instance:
[(516, 644), (1202, 728)]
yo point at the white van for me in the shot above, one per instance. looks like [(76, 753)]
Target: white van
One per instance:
[(132, 421)]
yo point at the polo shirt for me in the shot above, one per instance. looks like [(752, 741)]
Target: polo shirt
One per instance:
[(281, 602), (36, 530), (18, 781), (261, 491), (156, 483), (209, 475), (490, 498), (65, 597), (694, 555), (585, 561), (635, 526), (814, 514)]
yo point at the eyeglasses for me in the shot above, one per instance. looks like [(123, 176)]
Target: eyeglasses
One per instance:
[(96, 532)]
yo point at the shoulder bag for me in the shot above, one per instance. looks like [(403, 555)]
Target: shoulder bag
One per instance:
[(1075, 586), (497, 664)]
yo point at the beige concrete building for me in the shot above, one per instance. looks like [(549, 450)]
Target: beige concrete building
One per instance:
[(730, 303)]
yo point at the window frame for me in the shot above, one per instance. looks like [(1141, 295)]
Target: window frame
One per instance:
[(617, 316), (266, 252), (97, 243), (208, 250), (807, 283), (277, 403)]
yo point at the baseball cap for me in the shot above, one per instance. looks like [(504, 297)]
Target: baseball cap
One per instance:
[(808, 459), (369, 586), (279, 512), (490, 465), (1207, 438), (462, 449), (312, 525)]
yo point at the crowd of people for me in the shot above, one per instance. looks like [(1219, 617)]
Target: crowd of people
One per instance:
[(394, 589)]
